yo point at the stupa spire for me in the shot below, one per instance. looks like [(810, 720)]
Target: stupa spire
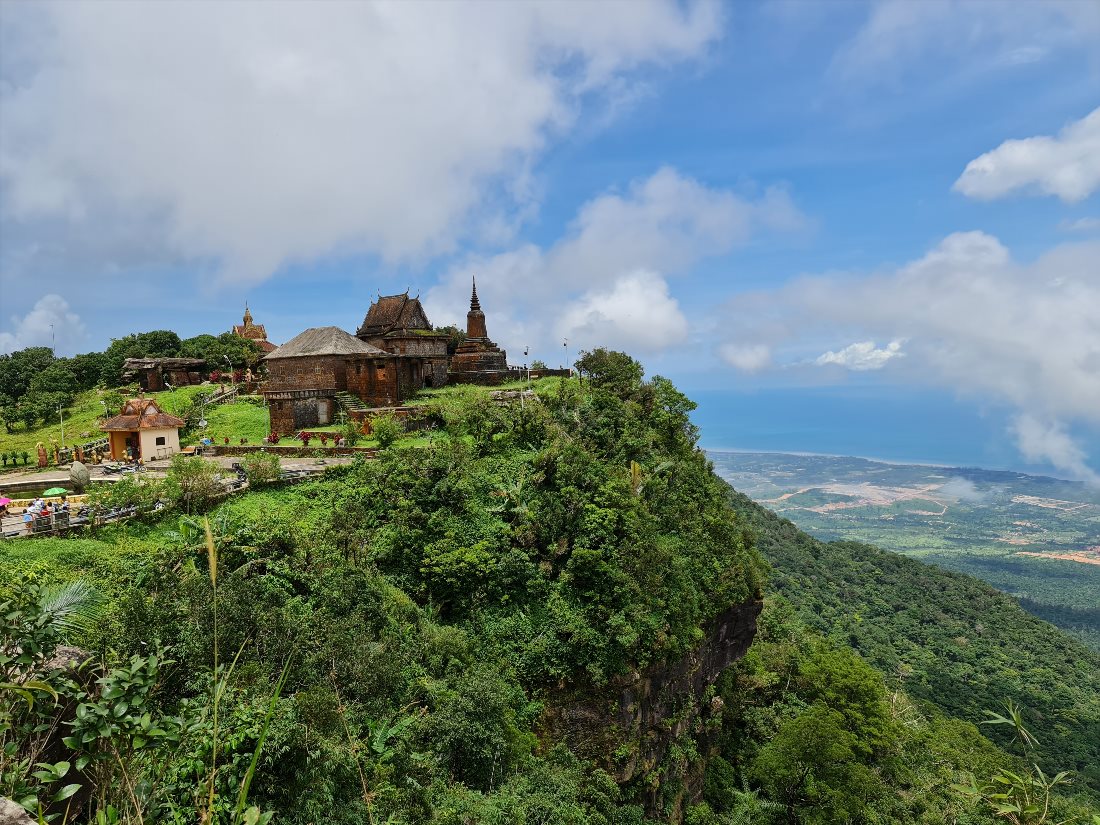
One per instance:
[(475, 305)]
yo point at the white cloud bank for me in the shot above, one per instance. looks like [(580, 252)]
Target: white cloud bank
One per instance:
[(1067, 166), (266, 133), (971, 319), (50, 322), (604, 283)]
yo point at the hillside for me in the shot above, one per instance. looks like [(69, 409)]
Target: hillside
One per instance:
[(537, 618), (943, 637)]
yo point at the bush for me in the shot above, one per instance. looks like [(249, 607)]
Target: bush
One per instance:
[(261, 468), (386, 430), (192, 483)]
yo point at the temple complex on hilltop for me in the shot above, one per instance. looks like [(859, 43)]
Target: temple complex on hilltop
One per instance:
[(394, 353), (322, 369), (399, 325), (477, 360), (253, 332)]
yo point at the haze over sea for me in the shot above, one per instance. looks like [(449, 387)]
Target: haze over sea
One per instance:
[(888, 423)]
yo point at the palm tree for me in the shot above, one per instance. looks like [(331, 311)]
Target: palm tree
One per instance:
[(71, 607)]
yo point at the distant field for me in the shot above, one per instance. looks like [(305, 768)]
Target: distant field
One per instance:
[(1035, 538)]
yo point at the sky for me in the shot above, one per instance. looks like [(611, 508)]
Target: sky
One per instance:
[(773, 203)]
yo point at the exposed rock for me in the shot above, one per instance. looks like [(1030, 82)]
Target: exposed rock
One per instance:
[(636, 719), (79, 475), (13, 814)]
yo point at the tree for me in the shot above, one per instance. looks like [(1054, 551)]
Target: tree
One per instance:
[(616, 372), (17, 369), (56, 378), (455, 336)]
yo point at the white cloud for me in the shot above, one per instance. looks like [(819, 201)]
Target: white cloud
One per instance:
[(1080, 225), (1048, 441), (962, 489), (747, 357), (49, 323), (604, 283), (265, 133), (861, 356), (636, 314), (1067, 166), (900, 35), (973, 319)]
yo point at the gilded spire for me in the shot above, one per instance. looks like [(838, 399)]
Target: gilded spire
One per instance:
[(475, 305), (247, 315)]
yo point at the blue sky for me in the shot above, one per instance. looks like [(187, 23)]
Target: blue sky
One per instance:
[(872, 200)]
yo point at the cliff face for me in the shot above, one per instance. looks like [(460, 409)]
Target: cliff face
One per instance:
[(631, 725)]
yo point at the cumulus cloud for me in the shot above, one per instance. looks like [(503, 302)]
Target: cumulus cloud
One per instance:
[(605, 282), (1067, 166), (1041, 440), (49, 323), (861, 356), (962, 489), (746, 357), (636, 313), (266, 133), (972, 318)]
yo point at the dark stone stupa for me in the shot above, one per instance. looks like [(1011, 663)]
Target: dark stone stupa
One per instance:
[(477, 360)]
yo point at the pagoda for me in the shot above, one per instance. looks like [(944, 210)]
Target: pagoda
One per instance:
[(253, 332), (478, 360)]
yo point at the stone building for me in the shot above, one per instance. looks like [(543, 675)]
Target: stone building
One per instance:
[(155, 374), (254, 332), (143, 430), (478, 360), (317, 371), (399, 325)]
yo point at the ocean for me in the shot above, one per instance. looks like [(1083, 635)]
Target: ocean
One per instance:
[(885, 423)]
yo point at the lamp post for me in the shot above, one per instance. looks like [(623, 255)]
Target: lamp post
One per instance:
[(565, 344)]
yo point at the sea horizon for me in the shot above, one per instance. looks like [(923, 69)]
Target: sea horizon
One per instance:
[(889, 426)]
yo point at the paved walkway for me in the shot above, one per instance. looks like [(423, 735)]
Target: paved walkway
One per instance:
[(59, 477)]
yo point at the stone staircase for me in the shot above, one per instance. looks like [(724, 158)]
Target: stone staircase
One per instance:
[(351, 404)]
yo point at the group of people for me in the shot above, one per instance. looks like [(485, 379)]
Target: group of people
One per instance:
[(42, 509)]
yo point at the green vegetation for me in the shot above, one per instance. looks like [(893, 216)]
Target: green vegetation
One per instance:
[(386, 644), (980, 522), (945, 638)]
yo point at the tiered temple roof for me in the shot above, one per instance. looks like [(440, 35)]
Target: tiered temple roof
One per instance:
[(391, 313), (141, 414)]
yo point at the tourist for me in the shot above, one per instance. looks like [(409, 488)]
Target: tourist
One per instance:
[(28, 520), (64, 506)]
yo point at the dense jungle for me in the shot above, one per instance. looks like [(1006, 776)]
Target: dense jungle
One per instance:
[(553, 612)]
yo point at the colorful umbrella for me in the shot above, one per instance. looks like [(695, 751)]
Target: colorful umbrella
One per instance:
[(4, 501), (55, 491)]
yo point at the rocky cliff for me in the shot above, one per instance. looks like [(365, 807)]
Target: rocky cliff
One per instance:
[(649, 727)]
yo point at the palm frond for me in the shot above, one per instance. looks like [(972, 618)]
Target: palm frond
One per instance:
[(72, 607)]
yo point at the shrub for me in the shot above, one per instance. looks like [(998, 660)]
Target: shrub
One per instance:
[(191, 483), (386, 429), (261, 468)]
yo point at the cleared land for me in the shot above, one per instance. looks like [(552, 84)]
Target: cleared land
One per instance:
[(1033, 537)]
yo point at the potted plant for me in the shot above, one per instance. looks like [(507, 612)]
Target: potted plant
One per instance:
[(26, 457)]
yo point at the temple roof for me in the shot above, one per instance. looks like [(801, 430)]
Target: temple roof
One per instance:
[(392, 312), (133, 364), (141, 414), (324, 341)]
